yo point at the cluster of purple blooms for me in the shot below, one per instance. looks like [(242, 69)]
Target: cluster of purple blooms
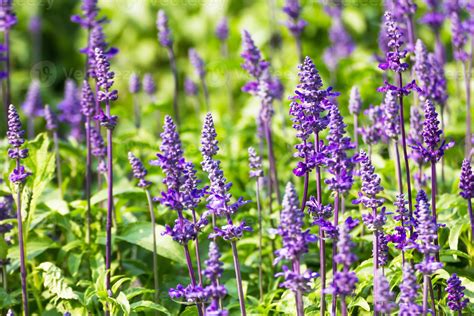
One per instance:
[(16, 139), (295, 243)]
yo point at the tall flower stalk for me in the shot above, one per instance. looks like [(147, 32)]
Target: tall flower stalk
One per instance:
[(456, 300), (106, 95), (344, 281), (368, 196), (466, 186), (256, 172), (176, 197), (409, 293), (222, 33), (219, 201), (460, 33), (295, 24), (134, 87), (7, 21), (18, 176), (433, 147), (263, 86), (200, 70), (427, 237), (394, 56), (88, 110), (164, 38), (295, 244), (52, 126), (33, 106), (140, 172), (214, 291), (355, 107)]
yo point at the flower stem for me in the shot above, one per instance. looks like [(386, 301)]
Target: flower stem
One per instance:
[(174, 70), (271, 160), (404, 145), (467, 82), (299, 48), (334, 249), (343, 306), (21, 245), (399, 168), (376, 258), (155, 261), (238, 278), (88, 179), (110, 203), (136, 111), (196, 249), (206, 93), (356, 132), (471, 216), (260, 260), (322, 242), (426, 280), (298, 294), (58, 163)]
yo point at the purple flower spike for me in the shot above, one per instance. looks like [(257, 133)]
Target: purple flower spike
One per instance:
[(296, 25), (15, 133), (134, 85), (370, 184), (209, 144), (197, 62), (355, 101), (214, 291), (395, 42), (149, 85), (459, 37), (434, 144), (385, 303), (90, 11), (344, 282), (392, 115), (139, 171), (255, 164), (409, 292), (341, 43), (456, 300), (190, 87), (33, 106), (51, 119), (253, 62), (70, 109), (466, 182), (7, 16), (295, 238), (6, 212), (87, 100), (164, 32), (97, 143), (105, 77), (427, 235), (414, 136), (222, 30)]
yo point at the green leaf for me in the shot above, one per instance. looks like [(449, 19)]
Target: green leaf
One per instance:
[(123, 302), (41, 163), (6, 299), (143, 306), (361, 302), (54, 281), (34, 248), (454, 234), (190, 311), (141, 234)]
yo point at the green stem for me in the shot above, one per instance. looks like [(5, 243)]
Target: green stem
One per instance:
[(155, 262)]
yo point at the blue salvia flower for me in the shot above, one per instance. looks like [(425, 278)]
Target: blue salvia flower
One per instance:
[(434, 145), (455, 290), (371, 187), (415, 134), (339, 164), (215, 292), (164, 32), (87, 100), (50, 118), (6, 212), (7, 16), (374, 132), (139, 171), (427, 235), (149, 85), (255, 164), (342, 44), (459, 36), (253, 62), (219, 196), (355, 101), (295, 24), (395, 54), (33, 105), (392, 115), (466, 181), (344, 281), (89, 16), (190, 87), (222, 30), (409, 292), (295, 243), (70, 109), (97, 40), (15, 135), (134, 84), (385, 298), (197, 62)]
